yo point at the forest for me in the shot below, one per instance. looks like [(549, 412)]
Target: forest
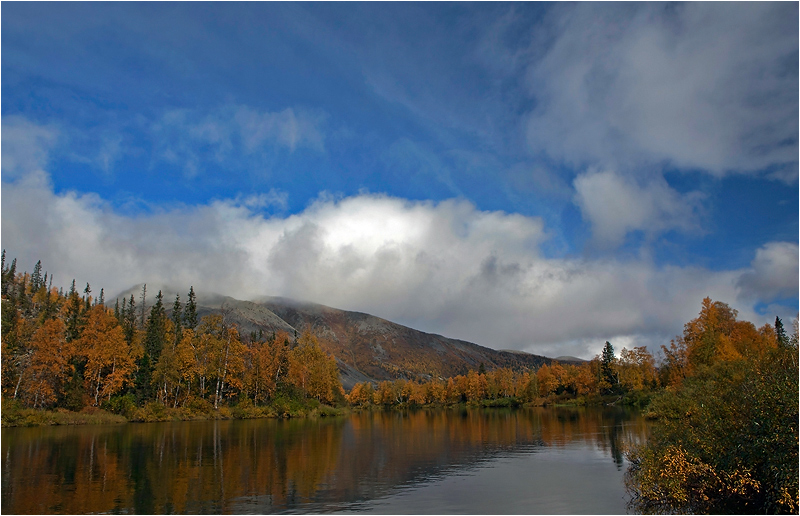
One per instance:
[(724, 394), (64, 350)]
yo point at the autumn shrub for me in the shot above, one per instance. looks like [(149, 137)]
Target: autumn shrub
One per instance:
[(327, 411), (199, 406), (124, 405), (637, 398), (501, 403), (287, 406), (151, 412), (11, 412), (245, 408), (727, 442)]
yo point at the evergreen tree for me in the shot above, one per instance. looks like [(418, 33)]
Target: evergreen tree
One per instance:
[(10, 319), (190, 311), (780, 332), (36, 277), (9, 277), (177, 315), (144, 301), (23, 300), (73, 314), (87, 297), (607, 363), (4, 276), (129, 320), (155, 335), (101, 300)]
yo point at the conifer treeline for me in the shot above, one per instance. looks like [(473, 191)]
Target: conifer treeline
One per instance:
[(66, 350)]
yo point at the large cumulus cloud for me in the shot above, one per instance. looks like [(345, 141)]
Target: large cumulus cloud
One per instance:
[(444, 267)]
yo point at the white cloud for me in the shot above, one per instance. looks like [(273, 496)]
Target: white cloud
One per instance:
[(444, 267), (26, 145), (698, 85), (616, 205), (773, 274)]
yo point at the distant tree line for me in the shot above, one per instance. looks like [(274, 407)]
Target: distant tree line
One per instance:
[(630, 378)]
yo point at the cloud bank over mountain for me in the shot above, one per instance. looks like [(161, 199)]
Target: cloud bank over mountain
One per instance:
[(443, 267)]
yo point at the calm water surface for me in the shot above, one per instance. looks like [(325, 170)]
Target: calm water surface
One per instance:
[(531, 461)]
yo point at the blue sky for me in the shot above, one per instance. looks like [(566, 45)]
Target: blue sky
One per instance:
[(532, 176)]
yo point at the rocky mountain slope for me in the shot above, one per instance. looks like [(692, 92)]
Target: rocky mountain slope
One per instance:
[(367, 347)]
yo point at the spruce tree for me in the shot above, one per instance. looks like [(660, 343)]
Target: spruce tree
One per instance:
[(8, 277), (144, 301), (155, 334), (607, 366), (101, 299), (177, 315), (36, 277), (87, 297), (190, 311), (129, 325), (73, 314), (23, 300), (156, 329), (780, 332)]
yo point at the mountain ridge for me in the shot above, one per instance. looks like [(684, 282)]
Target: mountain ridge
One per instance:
[(367, 348)]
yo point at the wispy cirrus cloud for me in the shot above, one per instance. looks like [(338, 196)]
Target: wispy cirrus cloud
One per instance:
[(187, 137)]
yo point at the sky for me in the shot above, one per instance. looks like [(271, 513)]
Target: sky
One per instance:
[(531, 176)]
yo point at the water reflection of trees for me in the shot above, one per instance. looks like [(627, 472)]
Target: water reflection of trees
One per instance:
[(265, 465)]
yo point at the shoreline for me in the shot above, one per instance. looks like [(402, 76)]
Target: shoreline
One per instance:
[(18, 417), (15, 416)]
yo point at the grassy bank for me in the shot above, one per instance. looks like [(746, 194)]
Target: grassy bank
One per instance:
[(14, 415)]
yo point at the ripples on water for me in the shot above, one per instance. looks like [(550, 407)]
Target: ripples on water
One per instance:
[(553, 461)]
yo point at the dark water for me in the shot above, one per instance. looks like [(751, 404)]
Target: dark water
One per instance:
[(530, 461)]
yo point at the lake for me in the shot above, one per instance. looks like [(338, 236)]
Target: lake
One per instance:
[(487, 461)]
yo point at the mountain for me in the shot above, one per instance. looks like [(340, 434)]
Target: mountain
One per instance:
[(367, 348), (567, 359)]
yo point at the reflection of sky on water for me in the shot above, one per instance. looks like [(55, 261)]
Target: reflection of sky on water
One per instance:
[(578, 478)]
